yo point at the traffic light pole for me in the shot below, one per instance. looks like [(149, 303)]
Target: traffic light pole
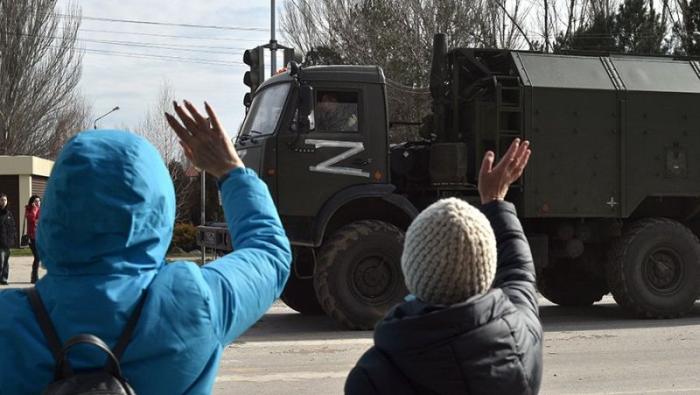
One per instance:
[(273, 42)]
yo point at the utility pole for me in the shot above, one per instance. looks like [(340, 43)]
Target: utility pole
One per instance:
[(273, 42)]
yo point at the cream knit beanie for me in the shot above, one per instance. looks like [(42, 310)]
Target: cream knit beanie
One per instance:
[(449, 253)]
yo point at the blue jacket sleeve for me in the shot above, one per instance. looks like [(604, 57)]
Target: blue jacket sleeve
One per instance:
[(515, 273), (246, 282)]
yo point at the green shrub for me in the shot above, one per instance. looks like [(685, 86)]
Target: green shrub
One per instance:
[(184, 237)]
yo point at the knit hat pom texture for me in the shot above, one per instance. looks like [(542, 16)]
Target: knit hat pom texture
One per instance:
[(449, 253)]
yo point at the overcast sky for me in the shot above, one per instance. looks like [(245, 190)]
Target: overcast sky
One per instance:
[(122, 74)]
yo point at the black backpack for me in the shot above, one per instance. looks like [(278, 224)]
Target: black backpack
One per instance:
[(107, 380)]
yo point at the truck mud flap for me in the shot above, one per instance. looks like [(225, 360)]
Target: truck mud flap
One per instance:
[(539, 245)]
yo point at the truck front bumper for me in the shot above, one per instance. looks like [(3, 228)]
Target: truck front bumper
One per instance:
[(214, 236)]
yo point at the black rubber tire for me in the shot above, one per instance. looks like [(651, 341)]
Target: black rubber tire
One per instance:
[(566, 283), (300, 296), (299, 293), (364, 250), (654, 268)]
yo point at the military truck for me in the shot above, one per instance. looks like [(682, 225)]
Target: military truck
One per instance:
[(610, 200)]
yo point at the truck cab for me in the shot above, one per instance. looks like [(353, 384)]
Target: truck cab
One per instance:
[(327, 170)]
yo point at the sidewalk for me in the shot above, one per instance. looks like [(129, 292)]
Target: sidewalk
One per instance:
[(21, 272)]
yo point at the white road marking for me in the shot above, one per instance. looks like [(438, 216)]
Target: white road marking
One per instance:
[(695, 390), (291, 376), (304, 343)]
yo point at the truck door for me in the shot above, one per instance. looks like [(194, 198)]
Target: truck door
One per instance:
[(346, 146)]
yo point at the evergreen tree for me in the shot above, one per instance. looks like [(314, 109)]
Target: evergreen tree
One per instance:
[(598, 35), (688, 31), (638, 29), (634, 29)]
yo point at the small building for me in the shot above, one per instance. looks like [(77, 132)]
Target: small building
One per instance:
[(20, 178)]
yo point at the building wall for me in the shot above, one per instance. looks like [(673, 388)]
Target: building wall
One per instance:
[(25, 191), (25, 165), (21, 177), (39, 185)]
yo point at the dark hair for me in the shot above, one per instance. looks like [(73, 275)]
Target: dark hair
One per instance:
[(32, 199), (2, 195)]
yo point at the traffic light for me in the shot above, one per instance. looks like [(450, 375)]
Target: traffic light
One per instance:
[(255, 58)]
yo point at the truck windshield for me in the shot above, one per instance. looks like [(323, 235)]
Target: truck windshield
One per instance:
[(265, 111)]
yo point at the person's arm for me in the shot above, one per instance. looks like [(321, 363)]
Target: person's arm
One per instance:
[(358, 382), (13, 229), (375, 373), (31, 214), (515, 273), (246, 282)]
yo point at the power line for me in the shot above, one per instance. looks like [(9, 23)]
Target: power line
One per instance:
[(172, 47), (160, 57), (188, 25), (157, 46), (170, 35)]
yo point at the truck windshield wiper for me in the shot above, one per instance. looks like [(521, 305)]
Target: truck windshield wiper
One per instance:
[(249, 136)]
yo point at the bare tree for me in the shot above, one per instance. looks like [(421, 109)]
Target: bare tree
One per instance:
[(156, 129), (398, 35), (39, 71), (71, 119)]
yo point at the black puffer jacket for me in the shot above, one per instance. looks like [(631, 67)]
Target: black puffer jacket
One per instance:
[(8, 230), (489, 344)]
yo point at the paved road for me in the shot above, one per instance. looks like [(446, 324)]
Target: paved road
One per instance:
[(587, 351), (590, 351)]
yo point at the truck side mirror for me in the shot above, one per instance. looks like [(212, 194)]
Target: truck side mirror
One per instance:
[(247, 99), (306, 97)]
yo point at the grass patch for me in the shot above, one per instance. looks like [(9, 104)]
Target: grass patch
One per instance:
[(184, 258), (20, 252)]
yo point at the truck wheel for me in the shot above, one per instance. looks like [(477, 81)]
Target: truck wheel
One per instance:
[(654, 269), (566, 283), (358, 275), (299, 293)]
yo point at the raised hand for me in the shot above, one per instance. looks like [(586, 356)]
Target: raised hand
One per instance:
[(495, 181), (204, 141)]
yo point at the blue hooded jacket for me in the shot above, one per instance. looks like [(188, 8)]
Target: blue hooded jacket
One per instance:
[(107, 221)]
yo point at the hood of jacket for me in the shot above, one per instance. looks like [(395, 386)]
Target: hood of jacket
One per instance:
[(416, 325), (108, 208)]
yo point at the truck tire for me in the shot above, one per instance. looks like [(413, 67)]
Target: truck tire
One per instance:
[(566, 283), (654, 268), (358, 275), (300, 296), (299, 293)]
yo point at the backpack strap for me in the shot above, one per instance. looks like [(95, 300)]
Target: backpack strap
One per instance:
[(58, 351), (125, 337), (46, 326)]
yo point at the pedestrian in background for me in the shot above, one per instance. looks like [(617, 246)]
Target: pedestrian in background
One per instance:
[(31, 213), (8, 234), (471, 325), (106, 224)]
